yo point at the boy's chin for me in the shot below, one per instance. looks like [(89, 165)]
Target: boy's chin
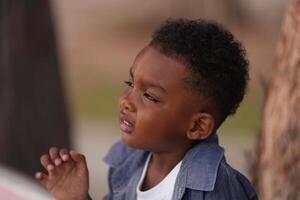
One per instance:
[(131, 142)]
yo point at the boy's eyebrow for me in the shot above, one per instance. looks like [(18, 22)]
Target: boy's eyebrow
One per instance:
[(149, 84), (156, 85)]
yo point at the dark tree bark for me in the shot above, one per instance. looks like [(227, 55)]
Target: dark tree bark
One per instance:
[(33, 114), (278, 175)]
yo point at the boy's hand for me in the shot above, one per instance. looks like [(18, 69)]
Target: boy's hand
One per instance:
[(67, 174)]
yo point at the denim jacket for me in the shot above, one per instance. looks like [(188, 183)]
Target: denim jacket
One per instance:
[(204, 174)]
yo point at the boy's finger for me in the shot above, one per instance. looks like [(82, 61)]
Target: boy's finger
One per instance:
[(41, 177), (77, 157), (53, 152), (64, 155), (46, 162)]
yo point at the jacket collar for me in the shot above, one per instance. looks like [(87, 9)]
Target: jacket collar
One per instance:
[(200, 165), (118, 153)]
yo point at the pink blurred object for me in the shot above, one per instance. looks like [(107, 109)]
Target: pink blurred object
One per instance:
[(15, 186), (7, 194)]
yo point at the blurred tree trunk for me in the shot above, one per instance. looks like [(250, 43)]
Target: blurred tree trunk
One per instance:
[(33, 114), (279, 144)]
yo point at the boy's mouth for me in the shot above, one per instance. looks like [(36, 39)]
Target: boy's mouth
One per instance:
[(125, 125)]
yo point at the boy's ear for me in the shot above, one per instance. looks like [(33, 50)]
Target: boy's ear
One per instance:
[(201, 127)]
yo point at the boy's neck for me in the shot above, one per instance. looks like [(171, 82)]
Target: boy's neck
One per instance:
[(160, 165), (165, 162)]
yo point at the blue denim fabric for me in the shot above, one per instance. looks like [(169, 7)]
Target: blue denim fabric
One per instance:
[(204, 174)]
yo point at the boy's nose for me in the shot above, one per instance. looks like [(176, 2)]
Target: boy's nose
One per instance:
[(125, 105)]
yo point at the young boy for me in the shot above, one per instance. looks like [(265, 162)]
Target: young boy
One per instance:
[(182, 86)]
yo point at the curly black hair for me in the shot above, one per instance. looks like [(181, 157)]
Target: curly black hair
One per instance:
[(216, 60)]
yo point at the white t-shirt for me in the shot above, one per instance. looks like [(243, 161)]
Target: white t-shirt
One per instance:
[(163, 190)]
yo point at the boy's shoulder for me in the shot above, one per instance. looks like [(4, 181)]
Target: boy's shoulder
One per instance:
[(232, 184), (228, 184)]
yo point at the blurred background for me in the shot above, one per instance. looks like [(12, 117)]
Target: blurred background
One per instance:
[(65, 92)]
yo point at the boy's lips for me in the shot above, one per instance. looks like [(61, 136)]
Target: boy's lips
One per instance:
[(126, 125)]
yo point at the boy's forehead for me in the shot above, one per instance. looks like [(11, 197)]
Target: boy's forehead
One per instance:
[(151, 61)]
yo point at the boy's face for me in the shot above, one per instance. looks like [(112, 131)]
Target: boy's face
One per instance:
[(156, 106)]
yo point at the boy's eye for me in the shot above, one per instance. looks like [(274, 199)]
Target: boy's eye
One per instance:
[(146, 95), (129, 83), (150, 98)]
